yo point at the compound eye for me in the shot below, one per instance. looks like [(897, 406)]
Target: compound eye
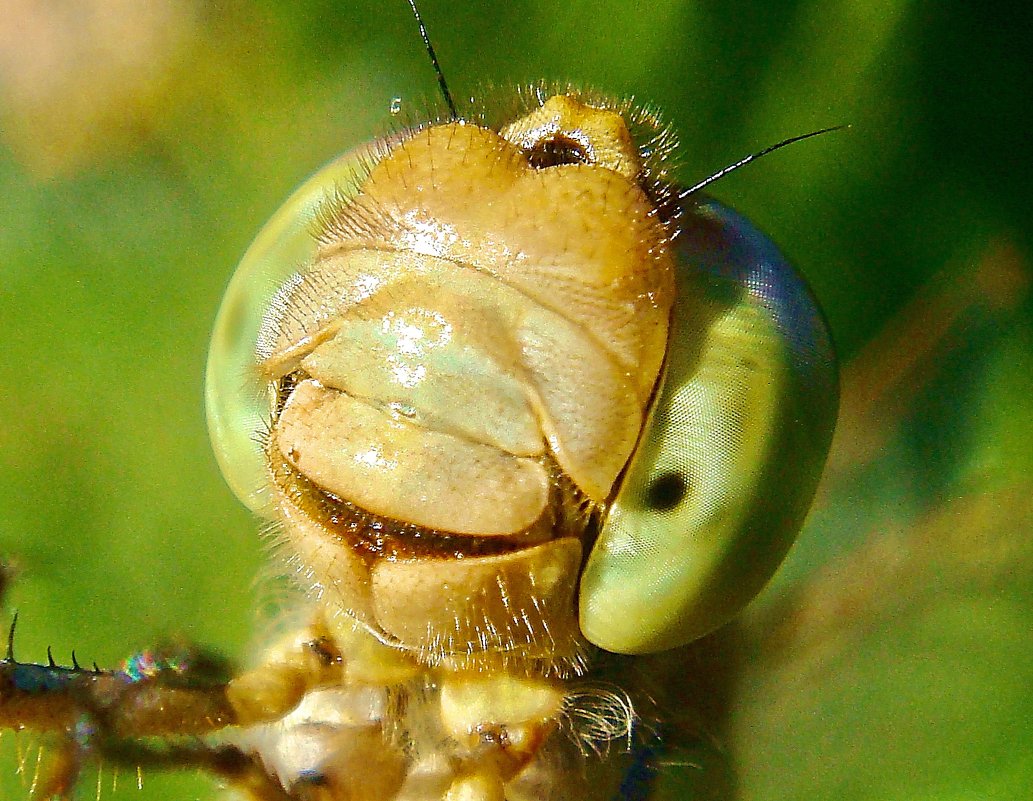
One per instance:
[(735, 444), (237, 399)]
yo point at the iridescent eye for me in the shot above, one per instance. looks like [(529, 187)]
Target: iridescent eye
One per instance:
[(236, 399), (727, 465)]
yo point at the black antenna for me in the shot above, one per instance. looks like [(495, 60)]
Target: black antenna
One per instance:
[(434, 60), (753, 157), (10, 640)]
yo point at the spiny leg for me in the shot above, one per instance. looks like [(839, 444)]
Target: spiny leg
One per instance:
[(152, 712)]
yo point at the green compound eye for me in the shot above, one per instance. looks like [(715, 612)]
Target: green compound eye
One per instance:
[(237, 400), (726, 469)]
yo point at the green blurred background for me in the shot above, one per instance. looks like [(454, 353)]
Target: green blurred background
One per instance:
[(142, 144)]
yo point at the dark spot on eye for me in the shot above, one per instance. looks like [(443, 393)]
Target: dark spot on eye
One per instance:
[(556, 150), (666, 491)]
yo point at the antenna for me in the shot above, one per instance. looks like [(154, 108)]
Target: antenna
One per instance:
[(10, 640), (434, 61), (753, 157)]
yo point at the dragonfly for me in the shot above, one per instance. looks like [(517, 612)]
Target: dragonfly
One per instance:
[(660, 759), (509, 398)]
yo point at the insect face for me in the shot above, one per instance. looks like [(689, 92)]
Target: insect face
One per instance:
[(464, 334), (453, 383)]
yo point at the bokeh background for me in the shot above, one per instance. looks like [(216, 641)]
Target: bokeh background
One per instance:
[(142, 144)]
